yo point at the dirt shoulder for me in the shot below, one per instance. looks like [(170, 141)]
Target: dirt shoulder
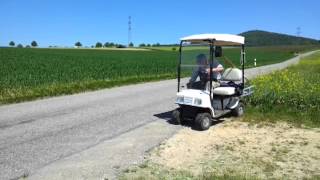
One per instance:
[(236, 148)]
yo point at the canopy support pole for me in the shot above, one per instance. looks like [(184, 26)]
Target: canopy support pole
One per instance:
[(179, 65), (243, 56)]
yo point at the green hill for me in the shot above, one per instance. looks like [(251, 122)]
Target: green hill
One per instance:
[(264, 38)]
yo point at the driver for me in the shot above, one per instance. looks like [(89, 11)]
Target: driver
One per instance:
[(203, 71)]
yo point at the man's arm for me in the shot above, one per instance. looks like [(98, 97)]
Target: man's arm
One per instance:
[(217, 69)]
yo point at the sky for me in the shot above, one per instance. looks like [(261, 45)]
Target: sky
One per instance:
[(64, 22)]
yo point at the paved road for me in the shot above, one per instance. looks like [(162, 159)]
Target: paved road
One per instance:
[(91, 135)]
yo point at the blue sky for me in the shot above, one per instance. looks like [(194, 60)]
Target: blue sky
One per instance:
[(62, 22)]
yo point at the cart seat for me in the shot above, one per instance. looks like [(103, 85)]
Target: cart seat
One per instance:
[(225, 91), (232, 74)]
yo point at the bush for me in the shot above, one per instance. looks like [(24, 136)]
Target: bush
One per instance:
[(120, 46), (174, 49)]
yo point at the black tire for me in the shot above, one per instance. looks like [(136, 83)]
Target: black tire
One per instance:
[(176, 116), (239, 110), (203, 121)]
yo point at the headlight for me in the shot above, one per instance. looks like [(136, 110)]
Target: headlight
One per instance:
[(179, 99), (197, 101)]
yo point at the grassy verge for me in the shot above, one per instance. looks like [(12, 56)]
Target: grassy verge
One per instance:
[(152, 171), (291, 95), (234, 150)]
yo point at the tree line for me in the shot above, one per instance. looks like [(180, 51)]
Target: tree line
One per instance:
[(32, 44), (78, 44), (111, 44), (106, 44)]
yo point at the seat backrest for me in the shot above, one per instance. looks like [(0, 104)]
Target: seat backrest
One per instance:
[(232, 74)]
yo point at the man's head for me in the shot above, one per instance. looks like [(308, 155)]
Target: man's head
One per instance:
[(202, 59)]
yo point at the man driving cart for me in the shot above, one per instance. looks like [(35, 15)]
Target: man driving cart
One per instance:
[(209, 103), (203, 71)]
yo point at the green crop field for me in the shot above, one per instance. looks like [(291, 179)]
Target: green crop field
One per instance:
[(27, 73)]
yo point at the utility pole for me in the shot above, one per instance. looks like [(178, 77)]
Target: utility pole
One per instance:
[(298, 31), (299, 34), (129, 31)]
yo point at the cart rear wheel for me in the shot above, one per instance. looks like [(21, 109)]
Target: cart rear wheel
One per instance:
[(203, 121), (176, 116), (239, 110)]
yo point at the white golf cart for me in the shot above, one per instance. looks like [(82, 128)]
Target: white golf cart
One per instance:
[(199, 101)]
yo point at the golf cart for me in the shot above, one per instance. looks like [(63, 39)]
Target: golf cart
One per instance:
[(200, 101)]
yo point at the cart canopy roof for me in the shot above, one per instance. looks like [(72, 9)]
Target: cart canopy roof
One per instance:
[(220, 39)]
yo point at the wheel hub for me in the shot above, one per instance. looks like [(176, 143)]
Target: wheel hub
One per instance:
[(206, 122)]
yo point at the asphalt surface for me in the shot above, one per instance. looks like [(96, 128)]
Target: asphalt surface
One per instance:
[(36, 134), (90, 135)]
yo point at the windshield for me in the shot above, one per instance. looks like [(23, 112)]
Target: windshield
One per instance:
[(194, 66)]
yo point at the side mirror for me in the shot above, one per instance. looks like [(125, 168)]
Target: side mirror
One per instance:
[(218, 51)]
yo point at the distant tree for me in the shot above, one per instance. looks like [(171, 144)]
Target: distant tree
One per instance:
[(148, 45), (107, 44), (28, 46), (78, 44), (12, 44), (34, 44), (142, 45), (156, 45), (98, 45), (131, 44), (19, 46)]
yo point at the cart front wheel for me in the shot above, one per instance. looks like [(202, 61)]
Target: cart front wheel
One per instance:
[(176, 116), (203, 121)]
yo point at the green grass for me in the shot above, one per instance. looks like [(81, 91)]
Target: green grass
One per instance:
[(27, 74), (291, 95), (149, 171)]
